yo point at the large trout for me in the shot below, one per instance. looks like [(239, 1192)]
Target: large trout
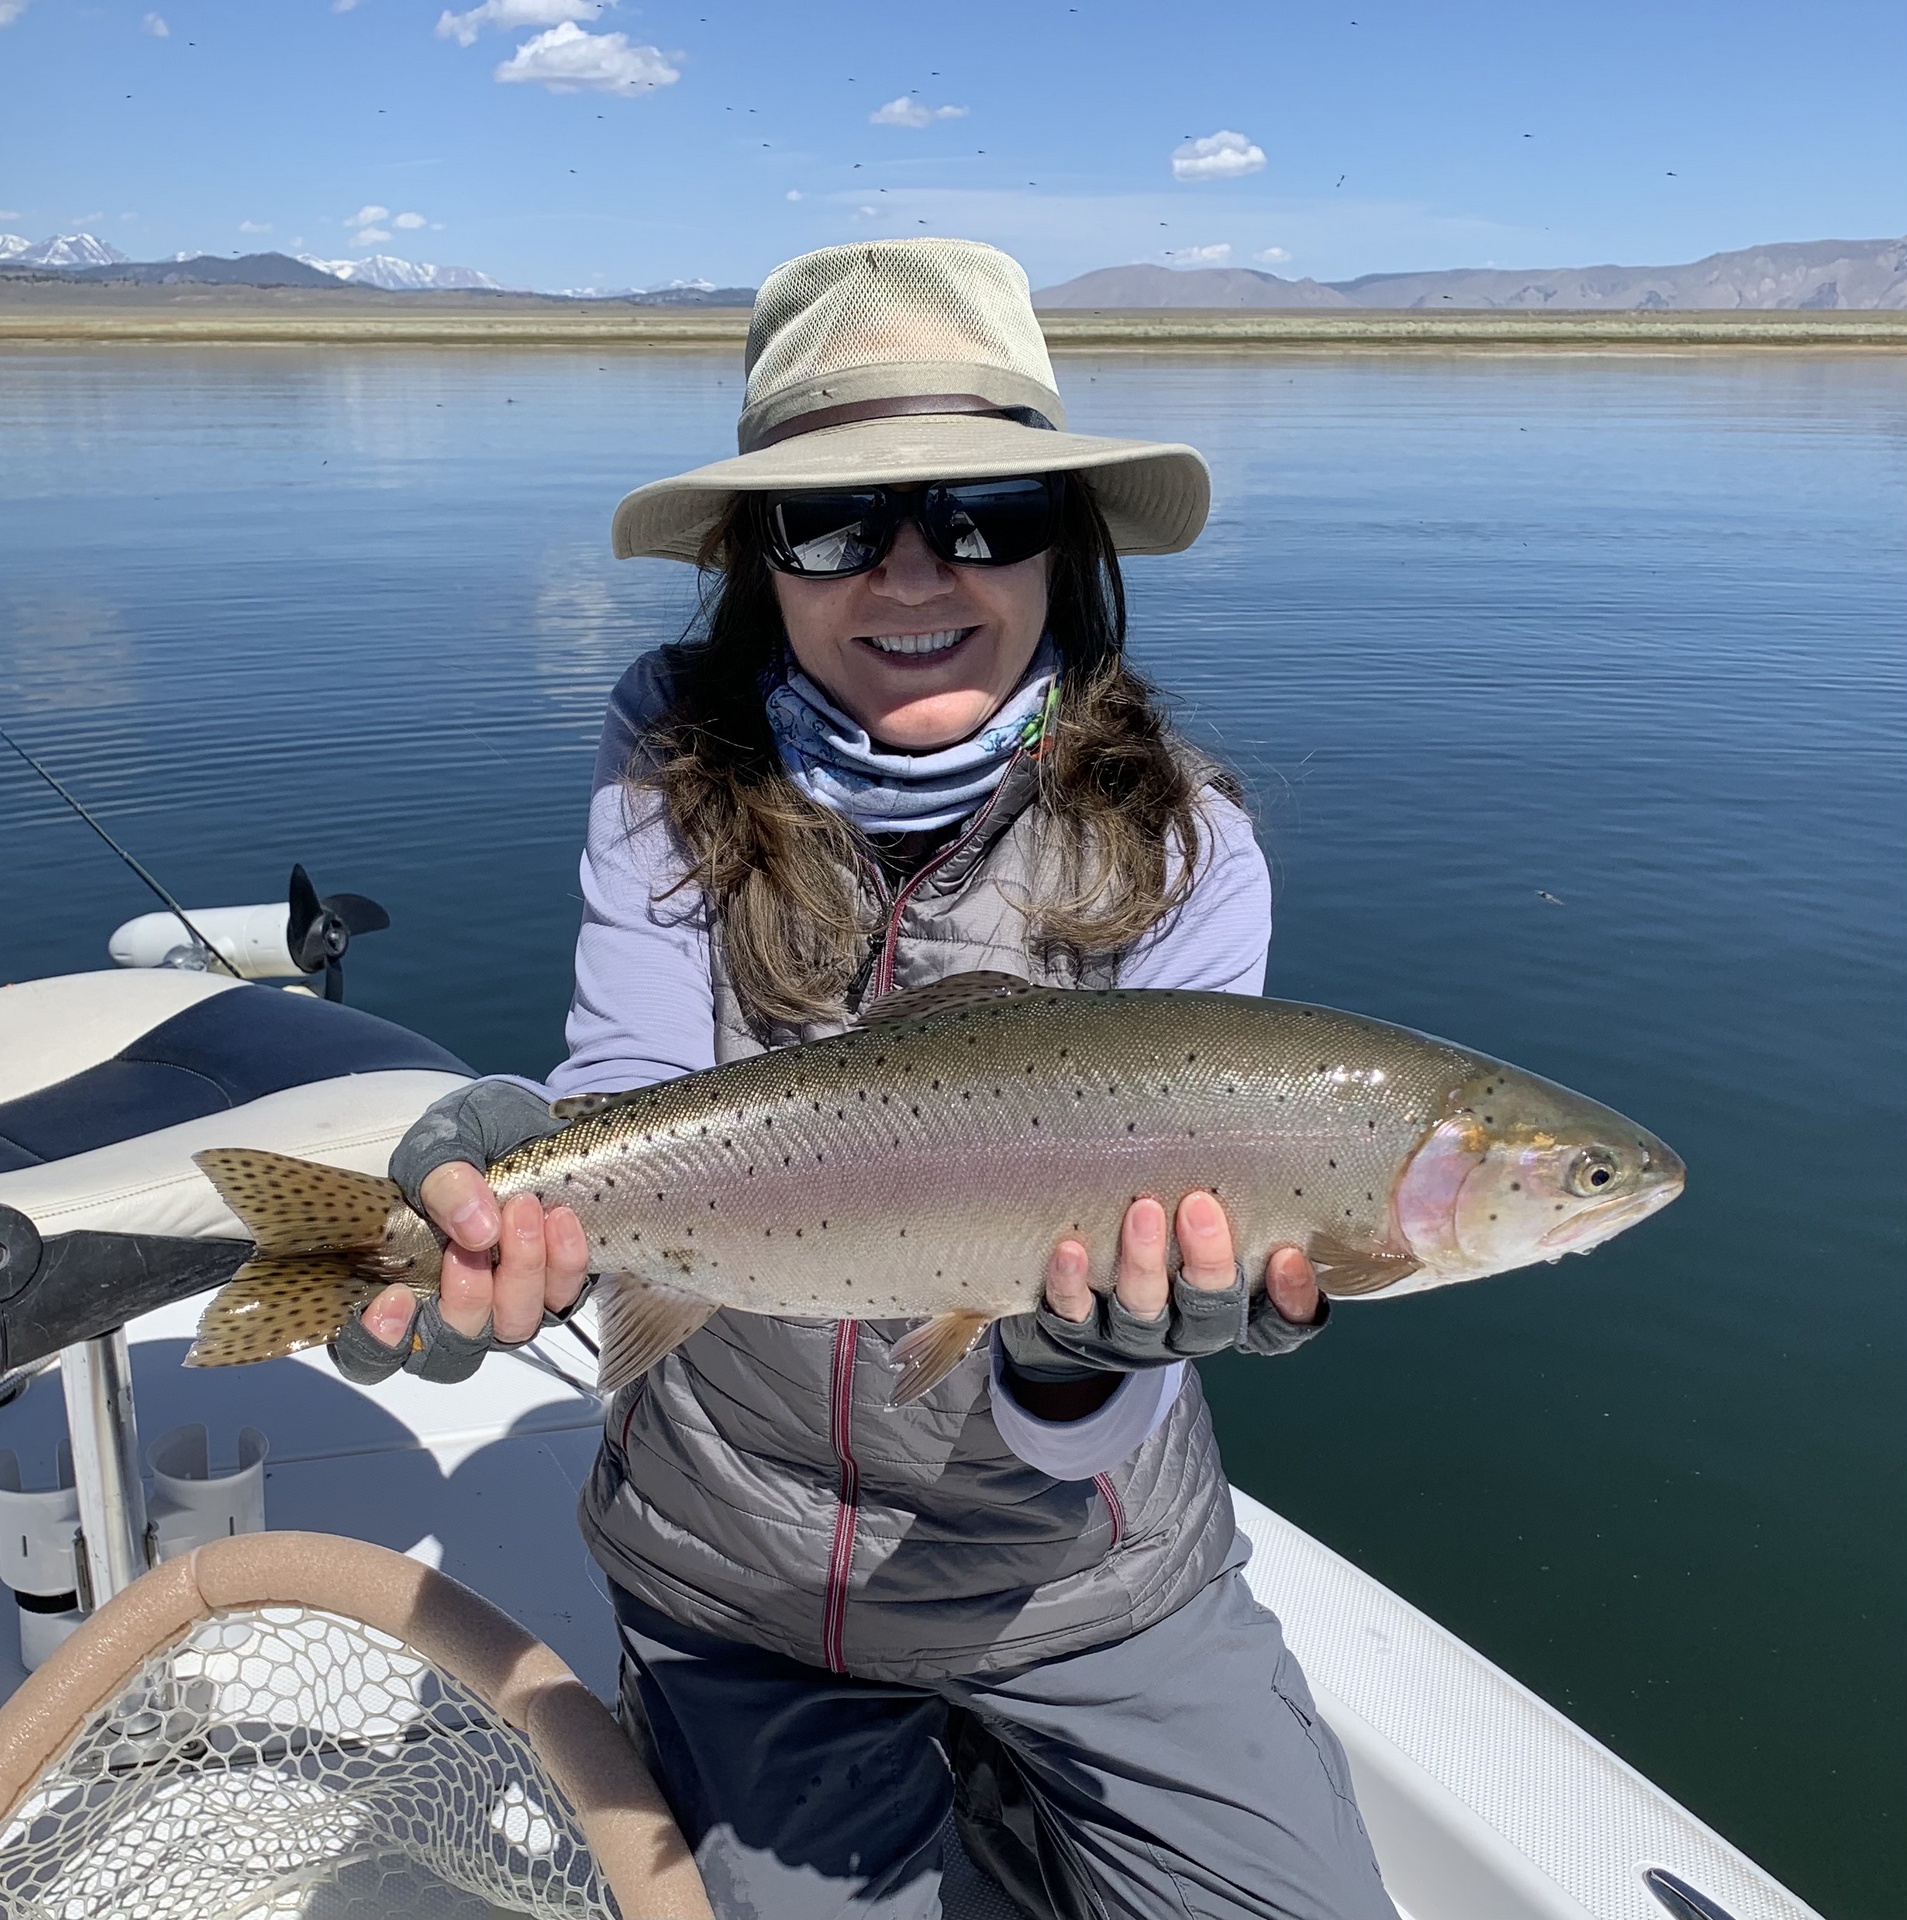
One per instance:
[(923, 1165)]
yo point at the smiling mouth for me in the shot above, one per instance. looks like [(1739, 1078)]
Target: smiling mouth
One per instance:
[(892, 644)]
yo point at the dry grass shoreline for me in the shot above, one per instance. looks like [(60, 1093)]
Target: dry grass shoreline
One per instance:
[(63, 314)]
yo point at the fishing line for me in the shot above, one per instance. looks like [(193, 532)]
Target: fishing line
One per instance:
[(211, 952)]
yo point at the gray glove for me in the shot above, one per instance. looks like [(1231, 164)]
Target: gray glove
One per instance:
[(1042, 1346), (480, 1123)]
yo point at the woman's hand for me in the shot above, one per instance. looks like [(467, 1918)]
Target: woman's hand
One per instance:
[(542, 1260), (1205, 1248)]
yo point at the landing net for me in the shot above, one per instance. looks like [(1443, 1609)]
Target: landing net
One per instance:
[(286, 1761)]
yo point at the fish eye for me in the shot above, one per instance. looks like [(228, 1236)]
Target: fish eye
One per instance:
[(1593, 1171)]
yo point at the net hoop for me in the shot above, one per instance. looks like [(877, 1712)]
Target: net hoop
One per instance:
[(632, 1837)]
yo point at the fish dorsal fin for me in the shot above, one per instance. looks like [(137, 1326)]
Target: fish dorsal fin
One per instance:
[(951, 995), (1343, 1270), (927, 1354), (638, 1321), (579, 1106)]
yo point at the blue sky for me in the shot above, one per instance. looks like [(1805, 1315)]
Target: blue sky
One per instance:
[(558, 143)]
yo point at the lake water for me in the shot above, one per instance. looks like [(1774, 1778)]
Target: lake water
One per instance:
[(1628, 630)]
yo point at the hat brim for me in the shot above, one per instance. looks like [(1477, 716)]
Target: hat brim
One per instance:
[(1154, 495)]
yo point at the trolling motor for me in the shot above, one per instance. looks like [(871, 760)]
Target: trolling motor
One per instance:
[(305, 935), (249, 943)]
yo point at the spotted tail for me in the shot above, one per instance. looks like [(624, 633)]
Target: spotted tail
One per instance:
[(320, 1251)]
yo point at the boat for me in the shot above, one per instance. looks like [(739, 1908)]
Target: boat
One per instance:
[(1483, 1801)]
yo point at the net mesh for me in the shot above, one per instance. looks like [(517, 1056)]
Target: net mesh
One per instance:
[(291, 1762)]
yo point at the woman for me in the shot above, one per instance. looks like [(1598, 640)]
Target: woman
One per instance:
[(905, 745)]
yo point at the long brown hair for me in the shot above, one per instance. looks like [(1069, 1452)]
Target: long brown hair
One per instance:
[(1117, 792)]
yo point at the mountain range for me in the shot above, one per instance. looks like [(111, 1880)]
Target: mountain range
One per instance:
[(82, 256), (1805, 274)]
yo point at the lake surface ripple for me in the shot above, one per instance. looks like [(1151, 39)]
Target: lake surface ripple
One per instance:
[(1627, 630)]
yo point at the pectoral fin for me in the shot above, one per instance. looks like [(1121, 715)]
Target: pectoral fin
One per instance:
[(1343, 1270), (929, 1353), (638, 1322)]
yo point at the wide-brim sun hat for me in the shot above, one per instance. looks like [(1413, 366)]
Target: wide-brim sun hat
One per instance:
[(899, 361)]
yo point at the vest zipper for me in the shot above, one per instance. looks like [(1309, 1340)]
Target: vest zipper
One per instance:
[(834, 1609), (1107, 1493), (883, 980)]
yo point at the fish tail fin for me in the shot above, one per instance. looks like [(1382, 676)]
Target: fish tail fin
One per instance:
[(319, 1237), (279, 1304), (299, 1206)]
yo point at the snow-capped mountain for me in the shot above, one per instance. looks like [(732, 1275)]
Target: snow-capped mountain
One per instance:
[(60, 250), (401, 276)]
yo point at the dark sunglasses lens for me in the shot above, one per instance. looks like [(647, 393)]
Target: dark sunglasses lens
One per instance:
[(825, 533), (991, 523)]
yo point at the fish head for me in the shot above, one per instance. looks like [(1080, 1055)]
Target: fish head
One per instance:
[(1522, 1170)]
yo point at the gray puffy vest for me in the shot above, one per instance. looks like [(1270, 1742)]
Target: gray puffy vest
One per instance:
[(756, 1486)]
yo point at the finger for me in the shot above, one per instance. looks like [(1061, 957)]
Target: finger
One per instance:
[(387, 1316), (458, 1198), (1293, 1286), (1141, 1285), (1069, 1287), (1205, 1244), (566, 1252), (516, 1310), (466, 1290)]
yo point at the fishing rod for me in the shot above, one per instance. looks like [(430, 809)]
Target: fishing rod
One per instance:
[(178, 911)]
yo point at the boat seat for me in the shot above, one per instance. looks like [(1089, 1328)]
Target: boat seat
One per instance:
[(111, 1082)]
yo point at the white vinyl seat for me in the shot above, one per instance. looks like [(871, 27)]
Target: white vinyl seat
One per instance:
[(110, 1082)]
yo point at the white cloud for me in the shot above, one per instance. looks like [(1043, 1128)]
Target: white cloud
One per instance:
[(369, 226), (254, 226), (155, 24), (345, 6), (794, 193), (907, 112), (1219, 156), (11, 213), (410, 222), (566, 59), (10, 11), (1218, 254), (506, 16), (1272, 256)]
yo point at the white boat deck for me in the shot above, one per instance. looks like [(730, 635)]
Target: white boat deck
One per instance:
[(1484, 1803)]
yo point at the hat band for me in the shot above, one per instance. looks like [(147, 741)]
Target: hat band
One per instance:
[(899, 406)]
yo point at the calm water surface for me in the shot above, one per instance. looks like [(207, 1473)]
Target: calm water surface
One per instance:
[(1628, 630)]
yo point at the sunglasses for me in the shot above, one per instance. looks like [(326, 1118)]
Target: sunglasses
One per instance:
[(831, 533)]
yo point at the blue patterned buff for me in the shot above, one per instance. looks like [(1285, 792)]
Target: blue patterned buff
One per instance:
[(833, 761)]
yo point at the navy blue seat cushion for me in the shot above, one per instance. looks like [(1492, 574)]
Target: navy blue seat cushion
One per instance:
[(216, 1055)]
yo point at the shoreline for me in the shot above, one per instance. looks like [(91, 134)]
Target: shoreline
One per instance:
[(38, 313)]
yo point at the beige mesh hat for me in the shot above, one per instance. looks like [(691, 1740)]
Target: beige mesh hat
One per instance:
[(904, 360)]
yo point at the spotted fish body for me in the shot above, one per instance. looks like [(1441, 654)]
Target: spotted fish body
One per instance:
[(923, 1166)]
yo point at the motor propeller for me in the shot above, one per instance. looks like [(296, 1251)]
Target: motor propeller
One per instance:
[(319, 930)]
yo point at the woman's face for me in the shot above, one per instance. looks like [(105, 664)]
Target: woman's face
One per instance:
[(969, 632)]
